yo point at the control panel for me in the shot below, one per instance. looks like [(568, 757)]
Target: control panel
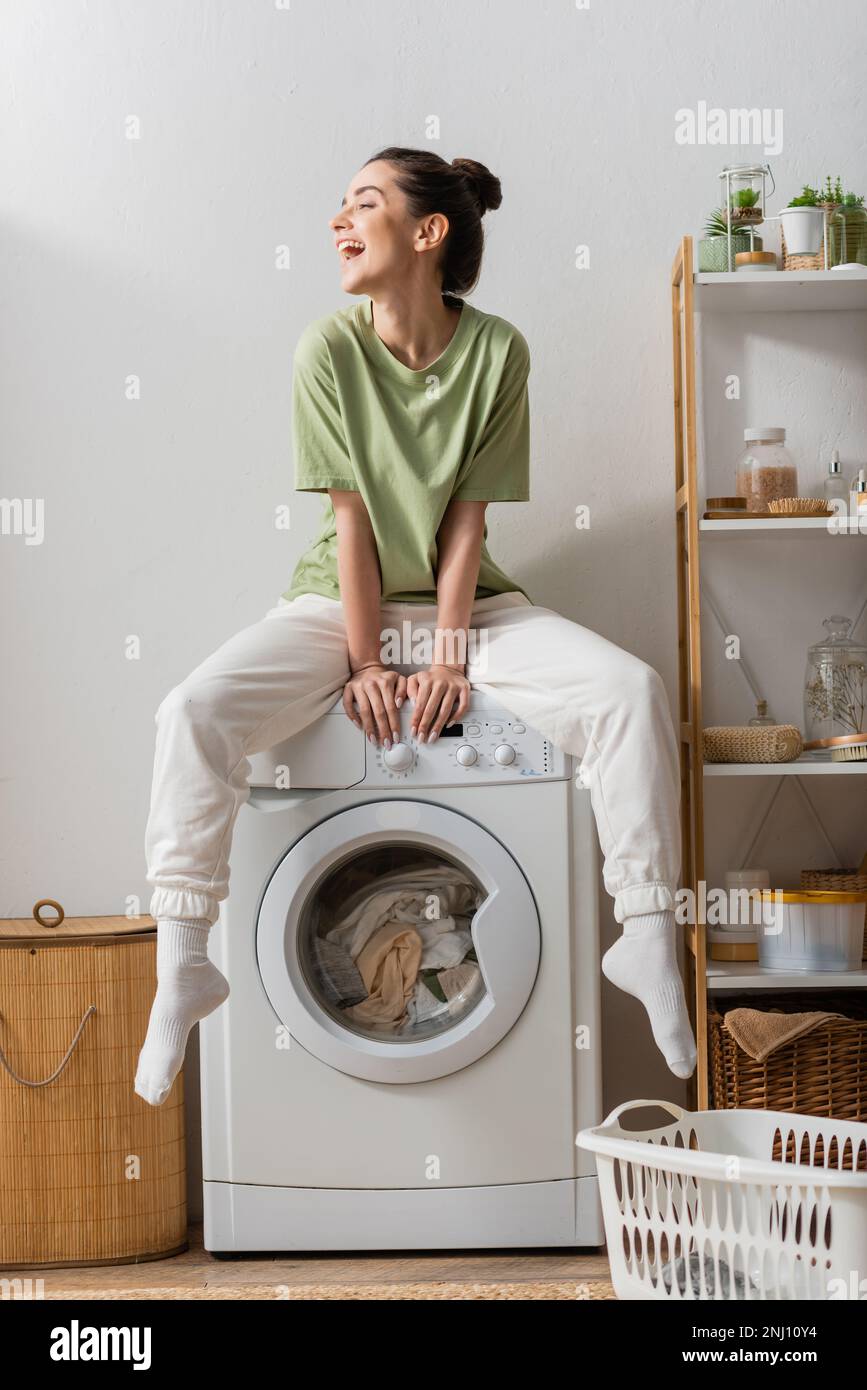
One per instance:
[(488, 745)]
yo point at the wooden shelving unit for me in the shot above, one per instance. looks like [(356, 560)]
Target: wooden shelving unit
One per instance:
[(736, 292)]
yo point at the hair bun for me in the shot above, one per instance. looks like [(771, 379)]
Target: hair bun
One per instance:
[(486, 185)]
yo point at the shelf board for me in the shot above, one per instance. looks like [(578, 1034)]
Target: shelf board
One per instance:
[(748, 974), (789, 291), (784, 525), (798, 767)]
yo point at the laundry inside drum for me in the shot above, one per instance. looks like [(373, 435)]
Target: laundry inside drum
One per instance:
[(385, 944)]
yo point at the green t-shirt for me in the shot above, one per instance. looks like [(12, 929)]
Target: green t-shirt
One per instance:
[(408, 441)]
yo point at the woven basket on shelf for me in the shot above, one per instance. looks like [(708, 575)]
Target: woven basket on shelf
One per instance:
[(744, 743), (839, 881), (91, 1174), (813, 260), (821, 1073)]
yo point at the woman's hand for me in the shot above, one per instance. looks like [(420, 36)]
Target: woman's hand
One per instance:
[(378, 691), (440, 694)]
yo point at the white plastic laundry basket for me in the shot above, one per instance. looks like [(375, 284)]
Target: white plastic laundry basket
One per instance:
[(700, 1208)]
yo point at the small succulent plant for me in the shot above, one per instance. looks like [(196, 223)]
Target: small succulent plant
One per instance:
[(807, 198), (745, 198)]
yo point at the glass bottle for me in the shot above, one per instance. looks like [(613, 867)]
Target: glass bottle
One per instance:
[(761, 716), (765, 470), (858, 494), (836, 489), (835, 688)]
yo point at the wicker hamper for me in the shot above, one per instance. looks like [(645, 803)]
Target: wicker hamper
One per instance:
[(821, 1073), (89, 1172)]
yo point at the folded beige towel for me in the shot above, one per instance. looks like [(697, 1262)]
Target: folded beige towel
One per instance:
[(760, 1032)]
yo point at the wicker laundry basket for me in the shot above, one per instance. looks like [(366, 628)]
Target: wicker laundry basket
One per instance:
[(823, 1072), (91, 1174)]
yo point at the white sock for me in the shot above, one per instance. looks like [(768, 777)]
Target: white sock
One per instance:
[(189, 987), (644, 963)]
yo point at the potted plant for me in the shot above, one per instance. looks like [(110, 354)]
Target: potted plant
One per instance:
[(831, 195), (713, 246), (804, 222)]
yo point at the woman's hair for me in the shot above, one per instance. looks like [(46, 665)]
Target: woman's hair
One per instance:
[(462, 191)]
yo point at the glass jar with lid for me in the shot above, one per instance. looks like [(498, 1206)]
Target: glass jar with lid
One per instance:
[(835, 688), (765, 470)]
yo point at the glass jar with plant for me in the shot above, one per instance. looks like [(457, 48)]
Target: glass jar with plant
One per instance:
[(847, 233), (745, 207)]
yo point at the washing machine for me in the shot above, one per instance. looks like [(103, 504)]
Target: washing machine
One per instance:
[(452, 1125)]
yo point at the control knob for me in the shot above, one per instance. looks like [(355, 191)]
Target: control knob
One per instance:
[(504, 754), (399, 757), (466, 755)]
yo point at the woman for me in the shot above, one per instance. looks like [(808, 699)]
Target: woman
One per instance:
[(410, 410)]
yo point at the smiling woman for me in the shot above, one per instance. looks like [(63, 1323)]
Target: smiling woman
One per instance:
[(407, 187), (410, 410)]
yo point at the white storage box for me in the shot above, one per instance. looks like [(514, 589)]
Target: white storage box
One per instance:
[(700, 1209), (812, 931)]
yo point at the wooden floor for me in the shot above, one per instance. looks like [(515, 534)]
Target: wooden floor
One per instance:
[(195, 1274)]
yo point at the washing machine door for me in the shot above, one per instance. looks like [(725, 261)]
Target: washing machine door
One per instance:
[(398, 941)]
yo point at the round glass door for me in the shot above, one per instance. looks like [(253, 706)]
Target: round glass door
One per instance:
[(385, 943), (398, 941)]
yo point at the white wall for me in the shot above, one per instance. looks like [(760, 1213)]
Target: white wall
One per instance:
[(156, 257)]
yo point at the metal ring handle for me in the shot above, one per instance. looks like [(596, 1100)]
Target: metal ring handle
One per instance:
[(48, 902), (22, 1081)]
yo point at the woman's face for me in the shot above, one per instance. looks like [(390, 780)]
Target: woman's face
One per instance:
[(374, 215)]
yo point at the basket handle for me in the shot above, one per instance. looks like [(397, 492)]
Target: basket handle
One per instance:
[(22, 1081), (668, 1105)]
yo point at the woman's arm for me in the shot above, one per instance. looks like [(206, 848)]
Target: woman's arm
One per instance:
[(442, 693), (377, 691)]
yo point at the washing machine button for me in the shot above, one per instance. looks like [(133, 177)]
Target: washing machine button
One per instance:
[(504, 754), (519, 728), (473, 730), (399, 757), (495, 728), (466, 755)]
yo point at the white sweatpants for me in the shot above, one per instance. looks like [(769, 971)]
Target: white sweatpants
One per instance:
[(587, 696)]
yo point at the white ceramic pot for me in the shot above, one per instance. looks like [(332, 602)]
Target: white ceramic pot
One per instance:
[(821, 931), (803, 229)]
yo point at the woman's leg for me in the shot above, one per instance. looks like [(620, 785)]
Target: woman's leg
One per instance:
[(263, 685), (609, 709)]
